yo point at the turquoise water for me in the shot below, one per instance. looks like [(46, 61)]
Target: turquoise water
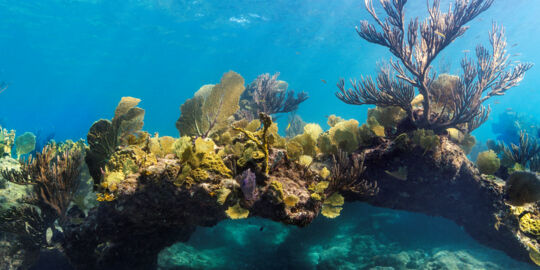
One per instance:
[(68, 63), (362, 237)]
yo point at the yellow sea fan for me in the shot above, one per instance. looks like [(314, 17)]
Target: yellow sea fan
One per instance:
[(237, 212), (332, 206)]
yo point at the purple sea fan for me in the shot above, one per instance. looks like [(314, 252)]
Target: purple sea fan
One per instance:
[(249, 185)]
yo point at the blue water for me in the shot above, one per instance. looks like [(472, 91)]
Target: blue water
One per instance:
[(68, 62)]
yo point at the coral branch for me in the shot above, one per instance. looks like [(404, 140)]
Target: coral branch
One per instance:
[(522, 153), (54, 175), (416, 50), (269, 95)]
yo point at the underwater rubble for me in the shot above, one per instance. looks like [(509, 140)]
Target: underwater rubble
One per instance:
[(230, 162)]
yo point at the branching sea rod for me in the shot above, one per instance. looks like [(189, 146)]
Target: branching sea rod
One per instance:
[(416, 47)]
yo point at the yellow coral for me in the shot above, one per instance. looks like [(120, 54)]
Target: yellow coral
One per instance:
[(426, 139), (343, 135), (305, 160), (291, 200), (183, 148), (319, 187), (529, 224), (324, 173), (313, 130), (212, 162), (278, 188), (335, 200), (294, 150), (333, 120), (488, 162), (254, 125), (247, 153), (332, 206), (308, 143), (534, 254), (223, 194), (105, 197), (7, 139), (237, 212), (112, 179), (257, 155), (199, 175), (378, 130), (455, 135), (163, 146), (417, 101), (325, 144), (263, 138), (204, 145), (388, 117)]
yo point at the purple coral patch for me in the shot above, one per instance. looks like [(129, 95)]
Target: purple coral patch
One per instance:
[(249, 185)]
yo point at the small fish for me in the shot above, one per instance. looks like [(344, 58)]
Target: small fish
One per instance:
[(466, 51), (509, 109), (440, 34), (516, 54), (261, 229), (288, 126), (514, 45), (297, 53), (323, 81), (496, 102)]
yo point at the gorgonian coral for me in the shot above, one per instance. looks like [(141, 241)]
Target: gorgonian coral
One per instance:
[(53, 176), (447, 101), (269, 95), (105, 135), (248, 185), (211, 106)]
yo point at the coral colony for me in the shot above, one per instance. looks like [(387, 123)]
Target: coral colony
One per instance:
[(230, 161)]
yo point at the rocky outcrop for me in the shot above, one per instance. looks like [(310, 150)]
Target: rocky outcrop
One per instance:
[(151, 212)]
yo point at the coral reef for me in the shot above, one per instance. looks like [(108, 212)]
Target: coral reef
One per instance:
[(52, 178), (411, 154)]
